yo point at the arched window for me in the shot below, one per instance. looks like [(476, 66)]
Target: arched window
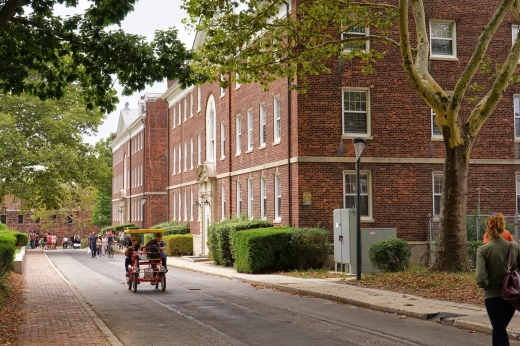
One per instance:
[(210, 130)]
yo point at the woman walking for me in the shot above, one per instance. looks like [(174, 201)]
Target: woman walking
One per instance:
[(492, 262)]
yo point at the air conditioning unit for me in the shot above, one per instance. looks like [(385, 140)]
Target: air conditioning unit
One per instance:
[(122, 194)]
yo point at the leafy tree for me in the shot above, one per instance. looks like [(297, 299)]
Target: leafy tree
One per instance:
[(42, 149), (102, 213), (81, 48), (251, 38)]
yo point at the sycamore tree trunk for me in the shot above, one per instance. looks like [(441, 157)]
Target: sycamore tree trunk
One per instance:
[(452, 249)]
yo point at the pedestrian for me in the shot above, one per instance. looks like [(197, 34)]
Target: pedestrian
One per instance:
[(92, 244), (32, 236), (98, 245), (492, 262), (104, 244), (53, 238), (48, 246), (506, 234)]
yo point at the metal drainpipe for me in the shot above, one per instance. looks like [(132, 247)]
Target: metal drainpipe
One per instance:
[(144, 160), (289, 111), (229, 150), (168, 161)]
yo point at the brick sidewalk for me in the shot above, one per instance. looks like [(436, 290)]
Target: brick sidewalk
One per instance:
[(53, 314)]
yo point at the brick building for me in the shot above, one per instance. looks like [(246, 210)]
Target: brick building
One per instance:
[(241, 150), (139, 160)]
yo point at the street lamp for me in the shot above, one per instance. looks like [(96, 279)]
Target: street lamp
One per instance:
[(120, 211), (143, 201), (359, 145)]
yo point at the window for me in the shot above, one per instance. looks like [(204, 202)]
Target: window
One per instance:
[(222, 90), (174, 207), (180, 113), (185, 206), (199, 150), (263, 198), (438, 181), (250, 198), (238, 135), (191, 153), (249, 130), (442, 39), (517, 195), (185, 156), (222, 141), (180, 206), (223, 203), (262, 126), (70, 219), (185, 109), (355, 32), (237, 83), (349, 188), (199, 98), (278, 197), (277, 124), (3, 219), (174, 161), (517, 116), (239, 199), (356, 112), (20, 218), (436, 131), (191, 205), (211, 140), (191, 104), (180, 158)]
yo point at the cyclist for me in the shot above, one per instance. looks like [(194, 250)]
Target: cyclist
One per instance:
[(161, 246)]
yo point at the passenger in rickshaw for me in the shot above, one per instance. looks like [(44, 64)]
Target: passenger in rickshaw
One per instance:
[(134, 246), (158, 245)]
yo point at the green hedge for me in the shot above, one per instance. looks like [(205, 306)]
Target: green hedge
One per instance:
[(264, 250), (173, 227), (472, 251), (179, 244), (312, 247), (6, 260), (7, 237), (390, 255), (221, 238)]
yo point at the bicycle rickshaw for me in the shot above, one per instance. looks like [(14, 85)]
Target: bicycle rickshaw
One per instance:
[(146, 266)]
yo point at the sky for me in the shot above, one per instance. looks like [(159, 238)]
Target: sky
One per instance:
[(148, 16)]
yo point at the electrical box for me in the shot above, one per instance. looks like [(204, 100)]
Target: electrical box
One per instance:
[(345, 241)]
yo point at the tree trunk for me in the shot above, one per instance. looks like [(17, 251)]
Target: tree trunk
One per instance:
[(452, 249)]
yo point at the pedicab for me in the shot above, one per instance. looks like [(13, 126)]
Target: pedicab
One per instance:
[(146, 266)]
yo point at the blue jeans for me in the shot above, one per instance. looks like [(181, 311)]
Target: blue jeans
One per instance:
[(500, 313)]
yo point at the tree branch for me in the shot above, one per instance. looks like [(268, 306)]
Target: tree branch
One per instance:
[(8, 11)]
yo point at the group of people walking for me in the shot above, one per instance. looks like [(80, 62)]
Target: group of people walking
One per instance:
[(101, 245)]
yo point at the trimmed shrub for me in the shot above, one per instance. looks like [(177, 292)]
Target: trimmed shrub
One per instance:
[(390, 255), (311, 246), (472, 251), (7, 237), (221, 238), (264, 250), (173, 227), (179, 244), (21, 238), (6, 260)]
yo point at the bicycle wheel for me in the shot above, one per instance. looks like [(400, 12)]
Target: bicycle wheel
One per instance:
[(135, 276), (163, 281)]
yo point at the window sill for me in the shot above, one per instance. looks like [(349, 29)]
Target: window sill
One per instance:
[(277, 221), (437, 139), (238, 154), (222, 158), (262, 147), (367, 220), (249, 151), (277, 142), (352, 136), (446, 58)]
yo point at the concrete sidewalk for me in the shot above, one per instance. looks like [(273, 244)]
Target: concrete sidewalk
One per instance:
[(466, 316), (55, 314)]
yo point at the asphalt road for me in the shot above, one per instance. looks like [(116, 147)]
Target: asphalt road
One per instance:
[(198, 309)]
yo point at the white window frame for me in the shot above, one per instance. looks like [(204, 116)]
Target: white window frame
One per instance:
[(223, 202), (355, 31), (174, 160), (517, 178), (277, 122), (278, 197), (263, 125), (249, 130), (185, 206), (174, 205), (453, 39), (185, 109), (191, 153), (349, 189), (199, 149), (437, 183), (237, 83), (180, 114), (516, 114), (263, 198), (174, 115), (250, 199), (180, 205), (199, 99), (356, 110), (222, 141), (185, 156), (180, 159), (222, 90), (239, 198), (191, 104), (238, 134), (191, 204)]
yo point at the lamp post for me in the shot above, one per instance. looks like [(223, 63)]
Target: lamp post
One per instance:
[(359, 145), (143, 201), (120, 211)]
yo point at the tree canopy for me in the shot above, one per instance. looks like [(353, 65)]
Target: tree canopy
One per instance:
[(42, 150), (259, 41), (42, 53)]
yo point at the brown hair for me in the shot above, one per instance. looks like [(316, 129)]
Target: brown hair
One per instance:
[(495, 225)]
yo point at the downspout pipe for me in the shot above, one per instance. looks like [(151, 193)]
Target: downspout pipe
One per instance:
[(229, 150), (289, 125)]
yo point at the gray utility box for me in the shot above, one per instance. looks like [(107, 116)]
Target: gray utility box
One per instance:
[(345, 238)]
